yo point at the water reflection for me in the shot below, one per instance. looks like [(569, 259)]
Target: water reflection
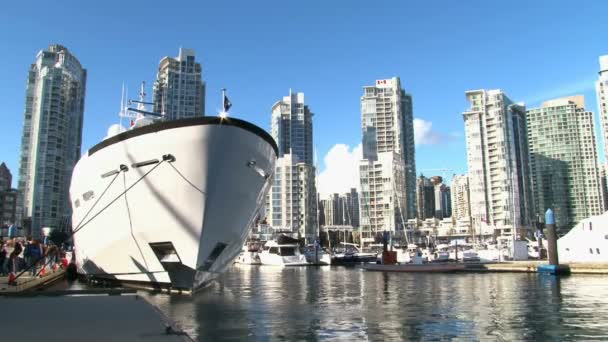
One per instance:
[(349, 304)]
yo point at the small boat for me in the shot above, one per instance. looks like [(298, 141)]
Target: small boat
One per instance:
[(348, 253), (411, 254), (441, 253), (317, 255), (429, 267), (276, 254), (463, 252), (250, 254)]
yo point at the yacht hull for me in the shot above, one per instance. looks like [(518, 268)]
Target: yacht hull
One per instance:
[(180, 210)]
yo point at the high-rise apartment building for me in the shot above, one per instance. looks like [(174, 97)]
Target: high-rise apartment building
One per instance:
[(563, 161), (388, 169), (179, 89), (6, 178), (461, 206), (292, 127), (352, 208), (425, 198), (293, 197), (293, 201), (52, 137), (441, 194), (497, 156), (8, 197), (341, 210), (601, 88)]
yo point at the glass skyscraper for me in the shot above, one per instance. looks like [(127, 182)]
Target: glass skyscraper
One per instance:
[(563, 161), (52, 138), (179, 90)]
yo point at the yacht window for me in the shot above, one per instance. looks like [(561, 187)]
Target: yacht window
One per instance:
[(590, 226), (567, 249), (606, 236), (591, 250), (274, 250), (597, 250), (288, 251)]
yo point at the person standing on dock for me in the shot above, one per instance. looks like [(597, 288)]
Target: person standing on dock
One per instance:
[(14, 256), (3, 258)]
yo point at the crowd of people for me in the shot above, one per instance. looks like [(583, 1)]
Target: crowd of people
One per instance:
[(19, 254)]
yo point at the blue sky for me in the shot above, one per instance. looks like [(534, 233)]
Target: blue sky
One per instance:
[(534, 50)]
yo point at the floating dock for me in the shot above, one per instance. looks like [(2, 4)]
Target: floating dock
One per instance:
[(528, 266), (430, 267)]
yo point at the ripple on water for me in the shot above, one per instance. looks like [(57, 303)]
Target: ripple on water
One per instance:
[(268, 303)]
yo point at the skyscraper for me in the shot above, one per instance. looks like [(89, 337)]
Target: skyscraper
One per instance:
[(601, 88), (6, 178), (442, 198), (563, 160), (387, 170), (292, 127), (497, 156), (352, 208), (179, 89), (425, 198), (52, 137), (8, 197), (293, 196), (461, 207)]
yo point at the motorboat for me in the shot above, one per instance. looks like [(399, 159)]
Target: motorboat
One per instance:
[(250, 253), (276, 254), (349, 253)]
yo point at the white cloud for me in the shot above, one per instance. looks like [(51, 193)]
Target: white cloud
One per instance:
[(425, 135), (341, 171)]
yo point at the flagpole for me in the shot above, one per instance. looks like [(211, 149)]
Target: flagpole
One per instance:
[(223, 99)]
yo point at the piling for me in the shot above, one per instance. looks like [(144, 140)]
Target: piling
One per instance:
[(553, 268)]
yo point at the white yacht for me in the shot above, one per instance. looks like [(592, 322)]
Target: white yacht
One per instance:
[(586, 242), (275, 254), (441, 253), (169, 203), (250, 254)]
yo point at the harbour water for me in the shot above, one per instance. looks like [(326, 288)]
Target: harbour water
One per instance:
[(347, 303), (340, 303)]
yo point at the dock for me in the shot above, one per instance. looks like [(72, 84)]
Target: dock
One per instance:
[(531, 266), (84, 315), (30, 283), (527, 266)]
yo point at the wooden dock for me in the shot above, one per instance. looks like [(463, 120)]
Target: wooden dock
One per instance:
[(29, 283)]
